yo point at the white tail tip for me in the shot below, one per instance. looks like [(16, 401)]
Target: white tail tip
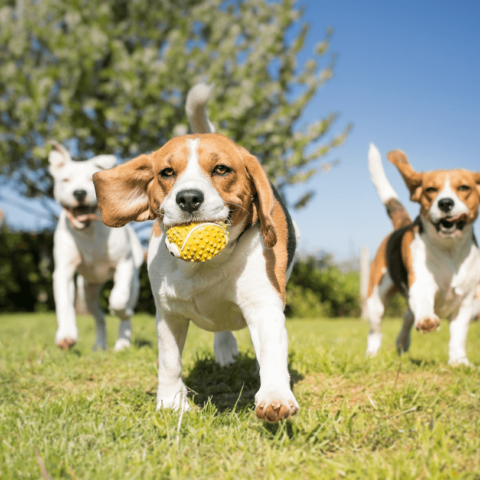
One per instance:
[(384, 190), (195, 106)]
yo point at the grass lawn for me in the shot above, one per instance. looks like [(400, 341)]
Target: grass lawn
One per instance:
[(86, 415)]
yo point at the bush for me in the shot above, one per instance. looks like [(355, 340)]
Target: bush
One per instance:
[(319, 287)]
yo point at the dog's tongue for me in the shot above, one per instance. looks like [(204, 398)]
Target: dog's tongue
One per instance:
[(463, 217), (80, 221)]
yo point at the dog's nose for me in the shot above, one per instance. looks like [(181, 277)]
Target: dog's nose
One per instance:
[(446, 204), (80, 195), (189, 200)]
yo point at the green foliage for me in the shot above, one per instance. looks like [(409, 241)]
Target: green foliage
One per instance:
[(319, 287), (91, 415), (26, 269), (110, 76)]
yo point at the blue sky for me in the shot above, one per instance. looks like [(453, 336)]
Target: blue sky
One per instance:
[(407, 76)]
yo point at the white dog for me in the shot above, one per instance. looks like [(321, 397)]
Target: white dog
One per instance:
[(434, 262), (98, 253), (208, 178)]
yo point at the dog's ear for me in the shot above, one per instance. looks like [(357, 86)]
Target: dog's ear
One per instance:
[(104, 162), (412, 178), (265, 200), (58, 157), (476, 176), (123, 192)]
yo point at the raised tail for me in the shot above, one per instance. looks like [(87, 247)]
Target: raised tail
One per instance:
[(396, 211), (197, 100)]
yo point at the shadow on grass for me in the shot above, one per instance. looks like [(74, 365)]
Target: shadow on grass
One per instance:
[(140, 342), (422, 362), (226, 387)]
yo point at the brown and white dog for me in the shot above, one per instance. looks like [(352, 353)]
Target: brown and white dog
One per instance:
[(433, 261), (208, 178)]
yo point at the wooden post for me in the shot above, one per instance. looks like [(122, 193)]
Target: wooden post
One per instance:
[(364, 275)]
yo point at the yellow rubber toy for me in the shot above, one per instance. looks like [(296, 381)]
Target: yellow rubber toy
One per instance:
[(197, 242)]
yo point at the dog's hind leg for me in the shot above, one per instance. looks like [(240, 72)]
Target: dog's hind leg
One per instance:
[(225, 348), (375, 309), (92, 291), (123, 299), (403, 339)]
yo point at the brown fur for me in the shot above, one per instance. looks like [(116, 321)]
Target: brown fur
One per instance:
[(396, 211), (277, 257), (378, 267)]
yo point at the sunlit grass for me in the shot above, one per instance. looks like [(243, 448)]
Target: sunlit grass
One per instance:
[(92, 415)]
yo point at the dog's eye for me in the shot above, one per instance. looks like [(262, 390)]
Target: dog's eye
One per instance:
[(167, 172), (431, 190), (464, 188), (221, 170)]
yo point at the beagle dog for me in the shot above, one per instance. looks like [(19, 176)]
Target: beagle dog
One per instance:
[(434, 261), (206, 177), (85, 246)]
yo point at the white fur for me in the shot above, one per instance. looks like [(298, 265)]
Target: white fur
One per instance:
[(459, 207), (98, 253), (384, 190), (197, 99)]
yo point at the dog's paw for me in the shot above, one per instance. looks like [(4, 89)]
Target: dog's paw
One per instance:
[(65, 343), (458, 362), (275, 405), (428, 324), (225, 348), (99, 346), (178, 402), (373, 344), (121, 344)]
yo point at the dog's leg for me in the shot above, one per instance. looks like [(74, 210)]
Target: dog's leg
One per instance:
[(172, 332), (375, 310), (64, 293), (421, 299), (458, 333), (275, 400), (121, 302), (403, 339), (92, 291), (225, 348)]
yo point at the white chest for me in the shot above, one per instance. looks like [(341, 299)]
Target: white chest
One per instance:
[(454, 274)]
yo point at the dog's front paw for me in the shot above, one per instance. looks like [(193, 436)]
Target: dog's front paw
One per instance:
[(65, 343), (457, 362), (121, 344), (428, 324), (177, 401), (275, 405)]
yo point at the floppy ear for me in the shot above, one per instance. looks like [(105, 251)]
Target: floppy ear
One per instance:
[(476, 176), (265, 198), (104, 161), (122, 192), (412, 178), (58, 157)]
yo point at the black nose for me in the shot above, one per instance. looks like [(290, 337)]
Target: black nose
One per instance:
[(80, 195), (446, 204), (190, 200)]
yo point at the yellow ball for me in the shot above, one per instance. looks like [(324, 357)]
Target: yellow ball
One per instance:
[(197, 242)]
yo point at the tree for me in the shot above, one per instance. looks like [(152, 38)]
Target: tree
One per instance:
[(111, 76)]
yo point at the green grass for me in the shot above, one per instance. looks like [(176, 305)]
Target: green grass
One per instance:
[(88, 415)]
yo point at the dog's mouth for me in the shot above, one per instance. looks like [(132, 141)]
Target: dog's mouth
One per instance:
[(451, 226), (81, 210), (81, 216)]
